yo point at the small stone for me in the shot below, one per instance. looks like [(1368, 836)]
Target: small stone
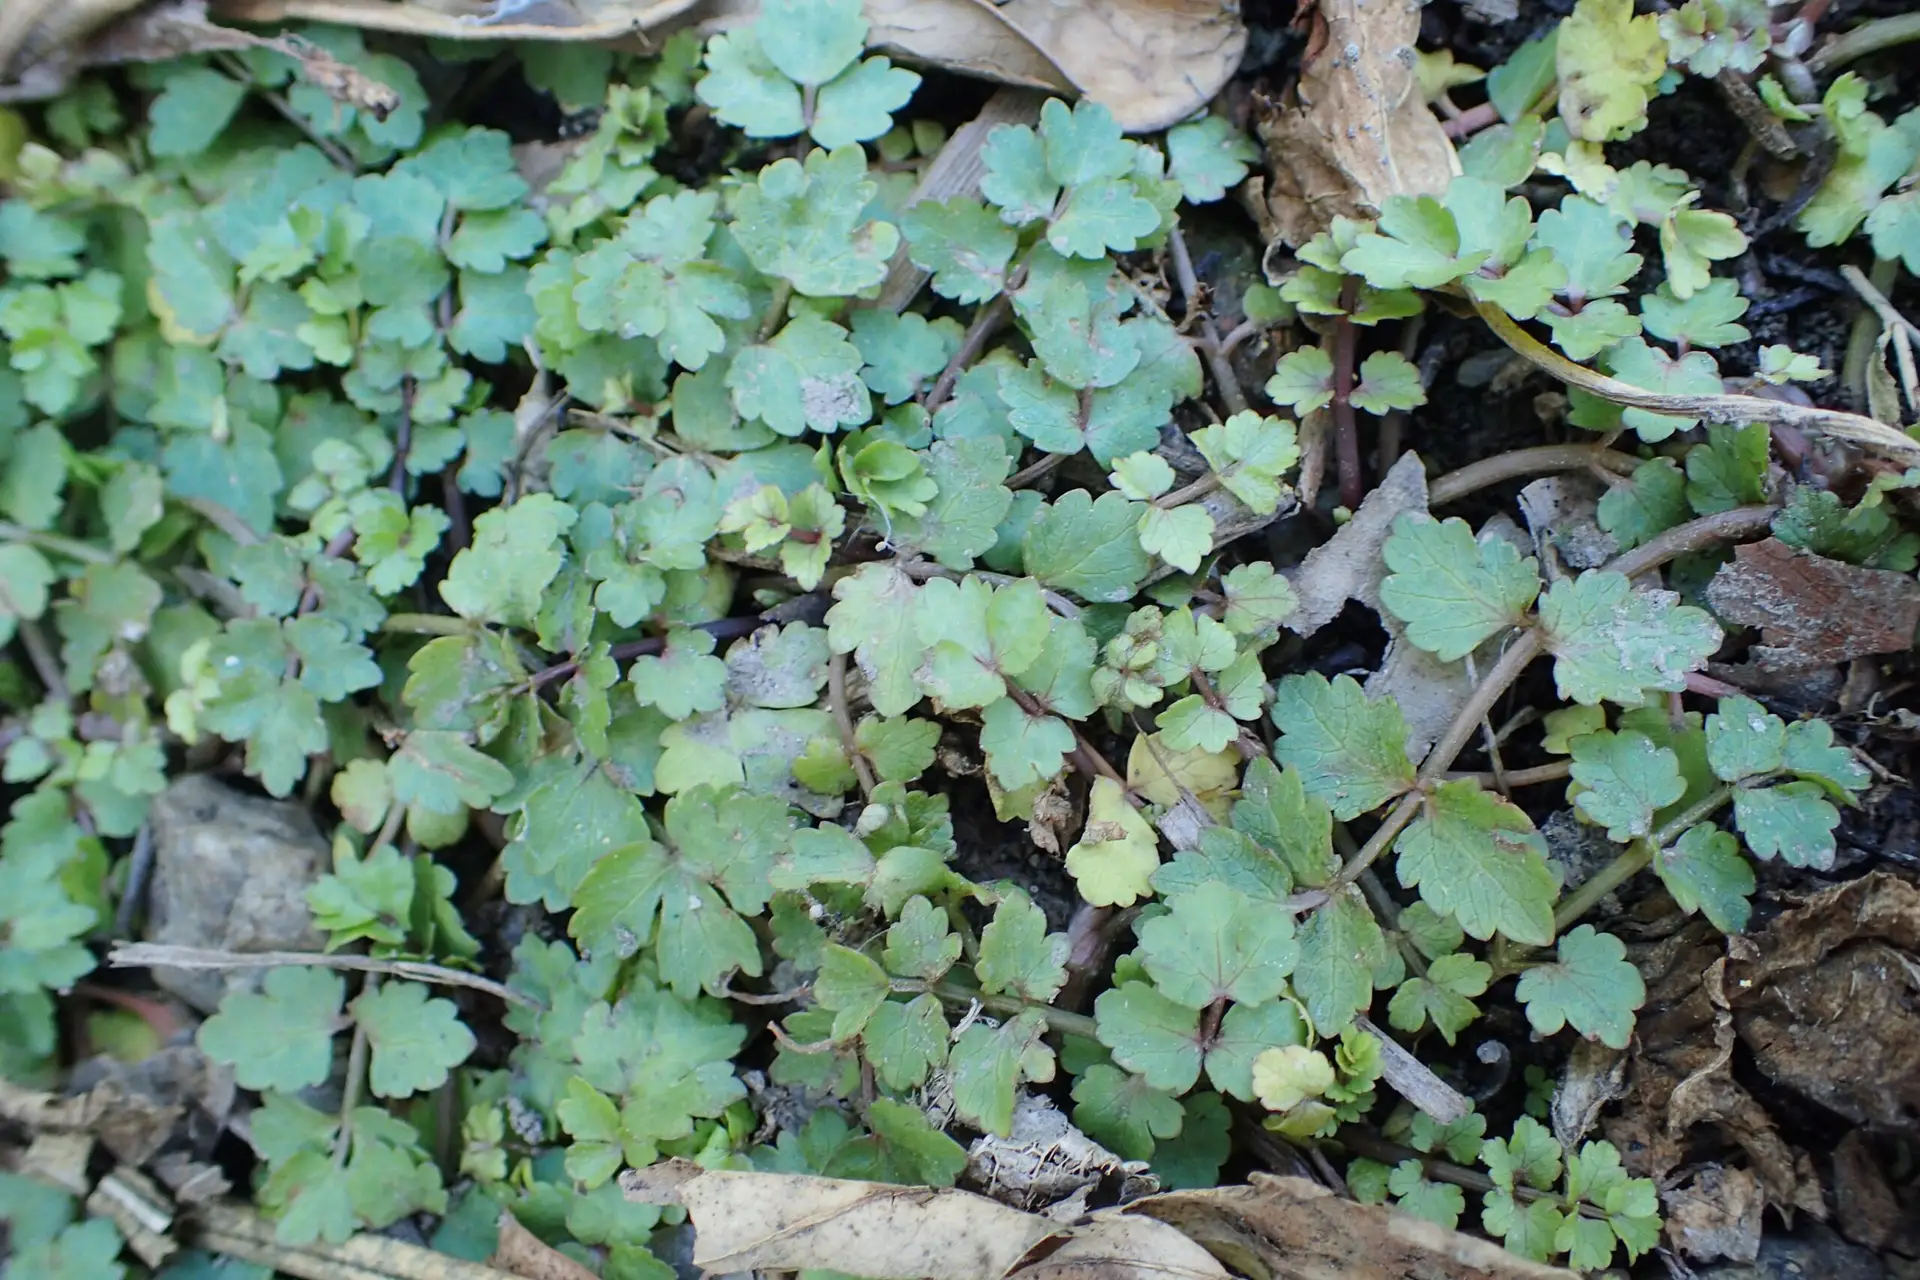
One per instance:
[(231, 873)]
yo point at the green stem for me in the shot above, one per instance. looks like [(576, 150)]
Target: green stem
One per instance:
[(1870, 38), (776, 309), (1635, 858), (71, 548), (1061, 1020), (426, 624), (356, 1080)]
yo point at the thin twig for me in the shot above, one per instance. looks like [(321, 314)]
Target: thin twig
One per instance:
[(1200, 488), (1518, 463), (356, 1079), (237, 1231), (148, 955), (843, 721), (1471, 121), (1538, 775), (1210, 345), (979, 333), (1852, 428)]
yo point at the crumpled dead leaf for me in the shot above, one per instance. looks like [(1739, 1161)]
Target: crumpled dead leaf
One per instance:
[(1867, 1208), (1293, 1229), (1814, 612), (1045, 1164), (1716, 1214), (1354, 130), (1680, 1078), (1828, 1000), (524, 1254)]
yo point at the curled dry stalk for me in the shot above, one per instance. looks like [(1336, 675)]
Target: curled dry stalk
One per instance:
[(1850, 428)]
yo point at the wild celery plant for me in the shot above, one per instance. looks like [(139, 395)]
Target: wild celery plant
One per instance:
[(260, 367)]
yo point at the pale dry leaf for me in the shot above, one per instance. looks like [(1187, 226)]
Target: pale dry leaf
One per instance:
[(1152, 63), (1562, 513), (1121, 1246), (956, 171), (1429, 692), (1045, 1161), (522, 1253), (1812, 611), (1595, 1075), (1347, 566), (1294, 1229), (780, 1222), (1414, 1080), (472, 19), (1354, 130), (962, 36)]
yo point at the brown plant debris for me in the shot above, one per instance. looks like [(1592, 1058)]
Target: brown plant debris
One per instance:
[(1813, 611), (1828, 1000), (1354, 130), (1293, 1229)]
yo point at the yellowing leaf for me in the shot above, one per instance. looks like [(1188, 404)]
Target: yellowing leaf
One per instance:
[(1609, 61), (1117, 852), (1158, 773)]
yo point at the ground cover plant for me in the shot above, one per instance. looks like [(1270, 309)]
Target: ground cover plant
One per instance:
[(665, 623)]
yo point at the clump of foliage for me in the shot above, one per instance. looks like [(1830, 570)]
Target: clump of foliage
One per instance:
[(332, 441)]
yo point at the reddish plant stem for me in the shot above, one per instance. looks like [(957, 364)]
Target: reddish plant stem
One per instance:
[(1346, 432), (843, 721), (459, 527), (1086, 756), (1471, 121), (719, 629), (978, 334)]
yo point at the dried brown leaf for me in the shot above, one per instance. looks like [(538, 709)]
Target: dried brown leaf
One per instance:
[(779, 1222), (1812, 611), (1120, 1246), (1867, 1209), (1680, 1079), (1716, 1214), (1293, 1229), (1828, 1000), (522, 1253), (1354, 130)]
